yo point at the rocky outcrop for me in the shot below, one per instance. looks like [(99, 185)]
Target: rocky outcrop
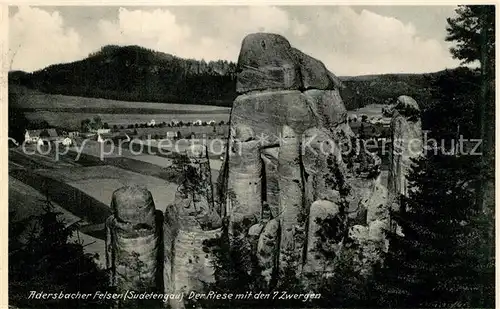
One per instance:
[(292, 213), (407, 143), (189, 223), (244, 183), (316, 261), (290, 193), (290, 122), (270, 165), (267, 250), (376, 203), (133, 242)]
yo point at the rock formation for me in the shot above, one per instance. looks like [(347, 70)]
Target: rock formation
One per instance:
[(315, 262), (189, 222), (292, 166), (133, 242), (288, 126), (407, 143)]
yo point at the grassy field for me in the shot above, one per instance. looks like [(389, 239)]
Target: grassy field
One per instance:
[(37, 160), (72, 120), (69, 111), (30, 99), (101, 181), (369, 110), (25, 201)]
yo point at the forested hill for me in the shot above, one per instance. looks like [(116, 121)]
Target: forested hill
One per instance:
[(133, 73)]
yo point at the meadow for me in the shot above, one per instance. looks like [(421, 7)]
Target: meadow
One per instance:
[(25, 201), (68, 111), (72, 120), (32, 99)]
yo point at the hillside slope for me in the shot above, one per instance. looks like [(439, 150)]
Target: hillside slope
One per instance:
[(133, 73)]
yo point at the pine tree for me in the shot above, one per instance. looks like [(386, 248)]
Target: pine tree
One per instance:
[(473, 32), (47, 260), (437, 263)]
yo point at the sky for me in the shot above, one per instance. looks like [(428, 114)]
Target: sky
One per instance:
[(350, 40)]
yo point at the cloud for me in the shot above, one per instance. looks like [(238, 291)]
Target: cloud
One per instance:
[(156, 29), (348, 42), (160, 30), (353, 43), (38, 39)]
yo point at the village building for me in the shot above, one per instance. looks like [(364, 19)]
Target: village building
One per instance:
[(32, 136), (171, 134), (101, 131), (152, 123), (66, 141)]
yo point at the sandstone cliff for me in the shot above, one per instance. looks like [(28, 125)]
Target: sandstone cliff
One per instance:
[(292, 164), (288, 129)]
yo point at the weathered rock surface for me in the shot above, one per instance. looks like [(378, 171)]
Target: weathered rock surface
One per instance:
[(377, 203), (189, 222), (322, 159), (407, 144), (327, 107), (316, 260), (267, 61), (267, 249), (244, 184), (291, 123), (270, 160), (286, 172), (266, 112), (313, 72), (192, 263), (292, 213), (133, 242)]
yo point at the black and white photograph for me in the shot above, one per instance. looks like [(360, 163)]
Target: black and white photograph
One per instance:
[(250, 156)]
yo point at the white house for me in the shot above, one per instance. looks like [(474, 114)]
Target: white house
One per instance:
[(67, 141), (171, 134), (152, 123), (103, 131), (197, 122), (32, 136), (211, 122)]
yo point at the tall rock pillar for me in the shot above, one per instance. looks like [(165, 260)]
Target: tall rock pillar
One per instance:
[(133, 237), (407, 144), (189, 223)]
